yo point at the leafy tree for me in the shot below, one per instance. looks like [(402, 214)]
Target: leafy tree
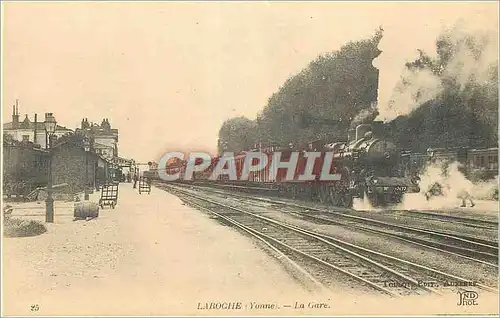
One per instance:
[(465, 113), (336, 86), (237, 134), (335, 91)]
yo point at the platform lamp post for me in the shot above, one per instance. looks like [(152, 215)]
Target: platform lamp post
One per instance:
[(86, 146), (50, 127)]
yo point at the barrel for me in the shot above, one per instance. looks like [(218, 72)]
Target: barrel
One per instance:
[(86, 209)]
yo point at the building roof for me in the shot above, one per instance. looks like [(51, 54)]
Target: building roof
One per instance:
[(122, 161), (99, 145), (101, 157), (70, 139), (27, 124)]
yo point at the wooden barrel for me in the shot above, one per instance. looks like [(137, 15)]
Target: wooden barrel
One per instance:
[(86, 209)]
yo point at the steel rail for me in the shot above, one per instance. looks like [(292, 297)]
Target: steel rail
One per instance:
[(338, 245), (315, 258), (486, 249)]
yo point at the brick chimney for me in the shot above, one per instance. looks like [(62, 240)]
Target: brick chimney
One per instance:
[(15, 115), (35, 129)]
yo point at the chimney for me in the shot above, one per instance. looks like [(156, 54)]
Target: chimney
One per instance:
[(15, 116), (351, 135), (35, 130), (378, 129), (361, 130)]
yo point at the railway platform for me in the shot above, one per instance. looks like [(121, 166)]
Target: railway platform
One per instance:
[(151, 255)]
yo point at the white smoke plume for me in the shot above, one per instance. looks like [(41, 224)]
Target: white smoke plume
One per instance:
[(363, 204), (473, 59), (455, 186), (367, 115), (416, 87)]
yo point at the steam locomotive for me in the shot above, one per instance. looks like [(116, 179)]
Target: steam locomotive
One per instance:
[(372, 166), (366, 166)]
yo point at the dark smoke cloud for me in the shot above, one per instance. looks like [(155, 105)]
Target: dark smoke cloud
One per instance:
[(472, 58), (366, 116)]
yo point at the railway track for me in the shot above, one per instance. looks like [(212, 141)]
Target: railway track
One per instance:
[(465, 221), (476, 249), (435, 240), (386, 274), (476, 223)]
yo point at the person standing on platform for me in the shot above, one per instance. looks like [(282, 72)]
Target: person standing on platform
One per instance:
[(135, 180)]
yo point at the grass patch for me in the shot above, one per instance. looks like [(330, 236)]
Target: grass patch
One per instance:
[(14, 227)]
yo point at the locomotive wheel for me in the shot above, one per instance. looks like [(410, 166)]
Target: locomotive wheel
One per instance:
[(398, 198), (324, 196), (300, 192), (348, 200), (294, 191), (315, 193), (335, 197), (340, 196), (376, 199), (372, 198), (281, 190), (309, 192)]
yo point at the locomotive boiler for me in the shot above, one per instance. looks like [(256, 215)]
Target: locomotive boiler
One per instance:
[(372, 165)]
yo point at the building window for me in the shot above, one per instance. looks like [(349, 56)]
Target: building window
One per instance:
[(476, 162), (493, 161), (26, 137)]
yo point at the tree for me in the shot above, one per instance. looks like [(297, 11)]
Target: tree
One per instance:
[(237, 134), (465, 113), (335, 86)]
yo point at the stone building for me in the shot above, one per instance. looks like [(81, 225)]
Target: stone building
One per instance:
[(104, 138), (68, 164), (30, 131), (25, 166)]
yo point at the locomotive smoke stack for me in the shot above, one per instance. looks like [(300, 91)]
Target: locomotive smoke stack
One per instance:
[(351, 135), (366, 116), (378, 129), (361, 130)]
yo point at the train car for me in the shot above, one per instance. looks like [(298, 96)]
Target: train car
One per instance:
[(475, 164), (315, 189), (365, 165), (482, 163), (479, 164)]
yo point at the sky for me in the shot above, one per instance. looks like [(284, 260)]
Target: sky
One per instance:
[(168, 74)]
